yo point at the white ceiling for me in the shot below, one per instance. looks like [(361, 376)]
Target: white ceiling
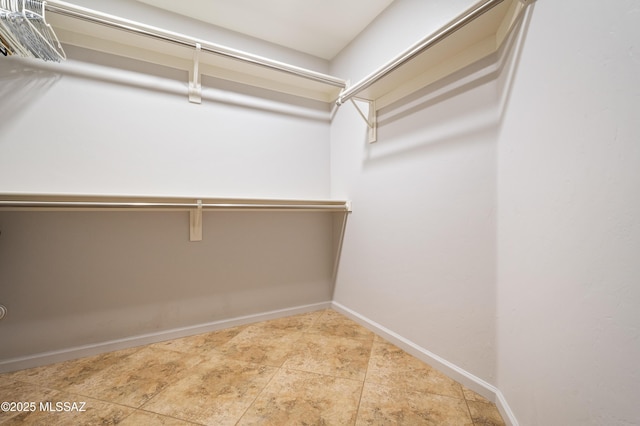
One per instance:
[(320, 28)]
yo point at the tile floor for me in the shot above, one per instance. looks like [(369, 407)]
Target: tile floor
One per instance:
[(318, 368)]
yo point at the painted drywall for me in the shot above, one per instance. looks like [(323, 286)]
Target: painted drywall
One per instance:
[(70, 279), (569, 218), (149, 15), (419, 251), (558, 316), (99, 124)]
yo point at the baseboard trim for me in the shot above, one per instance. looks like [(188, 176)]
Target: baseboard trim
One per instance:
[(505, 410), (455, 372), (44, 358)]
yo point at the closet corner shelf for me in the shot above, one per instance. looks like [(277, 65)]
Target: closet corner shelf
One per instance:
[(82, 27), (475, 34)]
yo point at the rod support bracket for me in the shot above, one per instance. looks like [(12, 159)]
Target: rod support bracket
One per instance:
[(195, 86), (195, 223), (371, 119)]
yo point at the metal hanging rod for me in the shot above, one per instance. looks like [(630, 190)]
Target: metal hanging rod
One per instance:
[(77, 12), (458, 23), (55, 202), (195, 207)]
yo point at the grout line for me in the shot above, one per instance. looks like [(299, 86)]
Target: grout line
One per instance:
[(71, 395), (364, 381), (165, 415), (438, 363), (67, 393), (322, 374), (466, 402), (293, 346), (127, 416), (279, 369), (258, 395)]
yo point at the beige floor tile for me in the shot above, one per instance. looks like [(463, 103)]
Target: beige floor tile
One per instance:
[(305, 369), (65, 374), (139, 418), (7, 381), (384, 405), (261, 345), (217, 391), (377, 338), (484, 414), (391, 366), (62, 409), (301, 398), (15, 391), (331, 355), (301, 322), (136, 379), (470, 395), (200, 344), (335, 324)]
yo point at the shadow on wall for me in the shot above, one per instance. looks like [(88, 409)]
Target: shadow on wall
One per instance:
[(140, 75), (20, 85), (446, 111), (267, 101)]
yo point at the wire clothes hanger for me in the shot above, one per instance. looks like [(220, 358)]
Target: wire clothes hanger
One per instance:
[(4, 45), (25, 32)]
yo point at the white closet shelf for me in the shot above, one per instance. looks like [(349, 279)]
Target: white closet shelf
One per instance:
[(79, 26), (475, 34), (195, 206)]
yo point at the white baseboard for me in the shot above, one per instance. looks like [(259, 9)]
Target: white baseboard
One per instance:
[(505, 410), (36, 360), (474, 383), (462, 376)]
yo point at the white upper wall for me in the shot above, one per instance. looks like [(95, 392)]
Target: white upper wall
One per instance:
[(100, 124), (569, 218), (402, 24), (419, 252), (567, 193), (137, 11), (318, 27)]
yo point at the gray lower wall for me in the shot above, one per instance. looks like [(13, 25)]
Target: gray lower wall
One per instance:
[(78, 278)]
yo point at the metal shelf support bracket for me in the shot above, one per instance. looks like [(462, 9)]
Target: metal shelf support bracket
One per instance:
[(195, 223), (371, 119), (195, 86)]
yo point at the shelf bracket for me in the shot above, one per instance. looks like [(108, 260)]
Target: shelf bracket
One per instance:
[(195, 87), (371, 119), (195, 223)]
